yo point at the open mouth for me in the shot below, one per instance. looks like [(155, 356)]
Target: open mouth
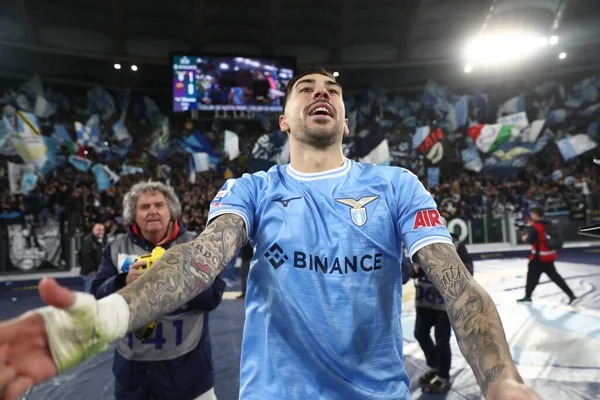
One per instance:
[(323, 109)]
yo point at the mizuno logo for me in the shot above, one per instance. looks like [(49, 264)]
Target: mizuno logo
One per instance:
[(285, 202)]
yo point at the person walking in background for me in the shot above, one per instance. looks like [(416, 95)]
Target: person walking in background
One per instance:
[(90, 255), (545, 240)]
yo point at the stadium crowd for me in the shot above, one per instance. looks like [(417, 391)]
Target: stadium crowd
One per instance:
[(70, 194)]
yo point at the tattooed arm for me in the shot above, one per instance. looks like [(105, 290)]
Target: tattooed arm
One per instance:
[(473, 315), (184, 271)]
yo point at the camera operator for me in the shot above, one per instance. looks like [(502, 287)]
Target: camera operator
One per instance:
[(542, 255)]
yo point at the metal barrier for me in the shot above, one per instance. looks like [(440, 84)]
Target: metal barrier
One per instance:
[(504, 230)]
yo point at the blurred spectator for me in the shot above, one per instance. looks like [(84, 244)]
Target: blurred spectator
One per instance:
[(90, 254)]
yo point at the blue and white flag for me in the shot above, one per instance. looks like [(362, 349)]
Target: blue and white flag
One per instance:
[(556, 175), (101, 102), (121, 133), (267, 150), (82, 164), (512, 106), (105, 178), (420, 135), (284, 155), (461, 112), (508, 159), (86, 136), (192, 170), (33, 87), (196, 143), (471, 159), (543, 141), (433, 177), (586, 90), (61, 134), (28, 182), (94, 123), (153, 113), (481, 107), (15, 176), (52, 148), (44, 108), (519, 120), (574, 146), (231, 144), (380, 155), (131, 170), (201, 162), (29, 144), (556, 116)]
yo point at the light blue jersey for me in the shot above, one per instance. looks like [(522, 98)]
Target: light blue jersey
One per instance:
[(324, 295)]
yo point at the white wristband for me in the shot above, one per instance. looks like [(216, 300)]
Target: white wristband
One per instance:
[(85, 329), (113, 311)]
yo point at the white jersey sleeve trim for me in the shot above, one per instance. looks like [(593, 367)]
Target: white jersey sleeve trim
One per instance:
[(212, 216), (426, 241)]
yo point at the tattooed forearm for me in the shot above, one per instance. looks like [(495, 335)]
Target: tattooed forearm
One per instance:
[(473, 315), (184, 271)]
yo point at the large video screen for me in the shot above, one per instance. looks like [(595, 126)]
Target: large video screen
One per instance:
[(209, 83)]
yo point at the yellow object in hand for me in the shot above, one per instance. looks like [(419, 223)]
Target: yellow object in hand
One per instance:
[(147, 332), (157, 252)]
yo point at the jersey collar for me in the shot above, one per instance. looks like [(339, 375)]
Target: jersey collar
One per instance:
[(332, 173)]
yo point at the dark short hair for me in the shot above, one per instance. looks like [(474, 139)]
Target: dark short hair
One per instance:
[(290, 85), (537, 210)]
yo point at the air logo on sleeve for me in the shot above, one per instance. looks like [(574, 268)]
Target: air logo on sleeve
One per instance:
[(427, 219)]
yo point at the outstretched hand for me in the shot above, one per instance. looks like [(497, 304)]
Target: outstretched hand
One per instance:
[(25, 357)]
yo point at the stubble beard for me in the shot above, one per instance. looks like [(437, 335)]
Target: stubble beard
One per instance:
[(318, 138)]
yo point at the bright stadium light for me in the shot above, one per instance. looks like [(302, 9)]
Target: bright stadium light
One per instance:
[(553, 40), (134, 68), (469, 68), (336, 74), (562, 55), (502, 48), (117, 66)]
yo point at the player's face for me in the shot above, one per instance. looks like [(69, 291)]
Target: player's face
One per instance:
[(314, 112), (152, 213)]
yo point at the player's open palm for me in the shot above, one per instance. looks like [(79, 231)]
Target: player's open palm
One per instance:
[(25, 357)]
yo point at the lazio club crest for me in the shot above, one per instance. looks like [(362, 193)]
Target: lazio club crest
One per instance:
[(358, 212)]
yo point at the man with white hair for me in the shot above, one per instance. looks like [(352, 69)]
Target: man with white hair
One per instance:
[(173, 361)]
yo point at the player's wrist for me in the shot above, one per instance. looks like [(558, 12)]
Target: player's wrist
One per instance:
[(113, 313), (85, 329), (509, 377)]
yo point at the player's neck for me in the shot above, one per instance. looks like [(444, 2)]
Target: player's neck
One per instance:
[(309, 161)]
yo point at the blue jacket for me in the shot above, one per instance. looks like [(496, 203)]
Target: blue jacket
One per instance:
[(184, 376)]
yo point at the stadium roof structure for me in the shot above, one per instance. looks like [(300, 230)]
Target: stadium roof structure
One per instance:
[(399, 43)]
